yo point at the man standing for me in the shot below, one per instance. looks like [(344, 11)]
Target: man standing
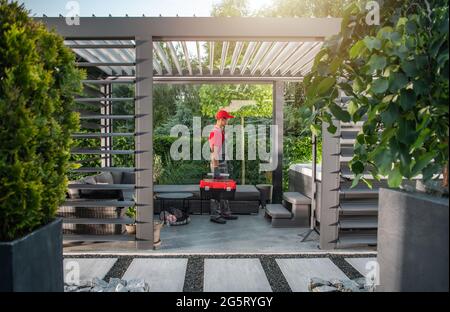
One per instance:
[(220, 211)]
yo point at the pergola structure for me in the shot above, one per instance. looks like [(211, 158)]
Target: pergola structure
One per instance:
[(147, 50)]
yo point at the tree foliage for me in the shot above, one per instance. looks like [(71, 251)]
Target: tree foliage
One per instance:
[(398, 76), (215, 97), (38, 79), (228, 8), (305, 8)]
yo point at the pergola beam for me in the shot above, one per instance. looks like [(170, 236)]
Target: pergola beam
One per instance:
[(198, 28), (223, 79)]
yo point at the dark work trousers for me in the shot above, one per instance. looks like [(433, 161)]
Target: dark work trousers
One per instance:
[(222, 207)]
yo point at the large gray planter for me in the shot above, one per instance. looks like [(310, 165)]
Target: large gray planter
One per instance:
[(33, 263), (412, 242)]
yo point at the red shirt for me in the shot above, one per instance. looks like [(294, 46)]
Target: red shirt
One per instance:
[(216, 138)]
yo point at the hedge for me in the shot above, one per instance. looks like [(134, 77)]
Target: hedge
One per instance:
[(38, 79)]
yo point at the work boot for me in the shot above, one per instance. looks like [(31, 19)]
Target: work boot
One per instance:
[(218, 219), (229, 217)]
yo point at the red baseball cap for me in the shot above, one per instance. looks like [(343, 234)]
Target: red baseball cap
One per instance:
[(223, 114)]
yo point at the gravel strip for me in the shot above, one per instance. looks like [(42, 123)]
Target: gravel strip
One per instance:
[(279, 256), (119, 268), (346, 267), (193, 280), (274, 275)]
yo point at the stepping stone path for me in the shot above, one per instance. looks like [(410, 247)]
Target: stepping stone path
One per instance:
[(163, 275), (239, 275), (298, 271), (83, 270), (316, 274)]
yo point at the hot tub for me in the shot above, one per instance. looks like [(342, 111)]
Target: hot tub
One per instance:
[(300, 180)]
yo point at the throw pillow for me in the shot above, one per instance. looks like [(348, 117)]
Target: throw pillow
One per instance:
[(104, 177)]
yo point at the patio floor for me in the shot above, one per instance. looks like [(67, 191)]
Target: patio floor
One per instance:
[(250, 234)]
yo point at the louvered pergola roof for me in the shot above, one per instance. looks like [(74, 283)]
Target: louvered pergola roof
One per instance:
[(197, 59), (201, 49)]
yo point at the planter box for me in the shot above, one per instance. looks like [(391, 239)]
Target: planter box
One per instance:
[(33, 263), (412, 242)]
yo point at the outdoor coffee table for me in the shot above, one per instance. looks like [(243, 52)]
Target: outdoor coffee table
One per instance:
[(185, 197)]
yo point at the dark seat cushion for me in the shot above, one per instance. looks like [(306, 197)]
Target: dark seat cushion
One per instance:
[(247, 192), (128, 178), (243, 192), (188, 188), (99, 194)]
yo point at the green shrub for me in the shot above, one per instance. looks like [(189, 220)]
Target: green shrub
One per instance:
[(182, 171), (38, 79)]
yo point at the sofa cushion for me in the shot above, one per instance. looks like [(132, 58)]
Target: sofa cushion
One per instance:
[(104, 177), (89, 180), (189, 188), (128, 178), (117, 176), (127, 195), (97, 194), (243, 192)]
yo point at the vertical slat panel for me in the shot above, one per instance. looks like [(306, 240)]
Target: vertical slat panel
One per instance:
[(144, 178), (106, 142), (329, 212)]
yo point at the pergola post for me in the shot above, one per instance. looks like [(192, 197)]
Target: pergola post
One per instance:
[(277, 174), (329, 211), (144, 142)]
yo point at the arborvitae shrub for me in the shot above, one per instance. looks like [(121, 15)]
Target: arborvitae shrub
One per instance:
[(38, 81)]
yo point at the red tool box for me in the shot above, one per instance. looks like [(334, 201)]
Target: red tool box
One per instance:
[(217, 189)]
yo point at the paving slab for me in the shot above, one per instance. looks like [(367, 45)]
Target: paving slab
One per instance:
[(235, 275), (299, 271), (161, 274), (88, 268)]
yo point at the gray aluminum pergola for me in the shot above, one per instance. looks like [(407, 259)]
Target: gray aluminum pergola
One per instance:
[(148, 50)]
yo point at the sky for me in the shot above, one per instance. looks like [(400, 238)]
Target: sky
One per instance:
[(130, 7)]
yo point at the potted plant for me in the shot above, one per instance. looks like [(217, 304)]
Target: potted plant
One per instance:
[(157, 226), (397, 75), (37, 85), (131, 213)]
